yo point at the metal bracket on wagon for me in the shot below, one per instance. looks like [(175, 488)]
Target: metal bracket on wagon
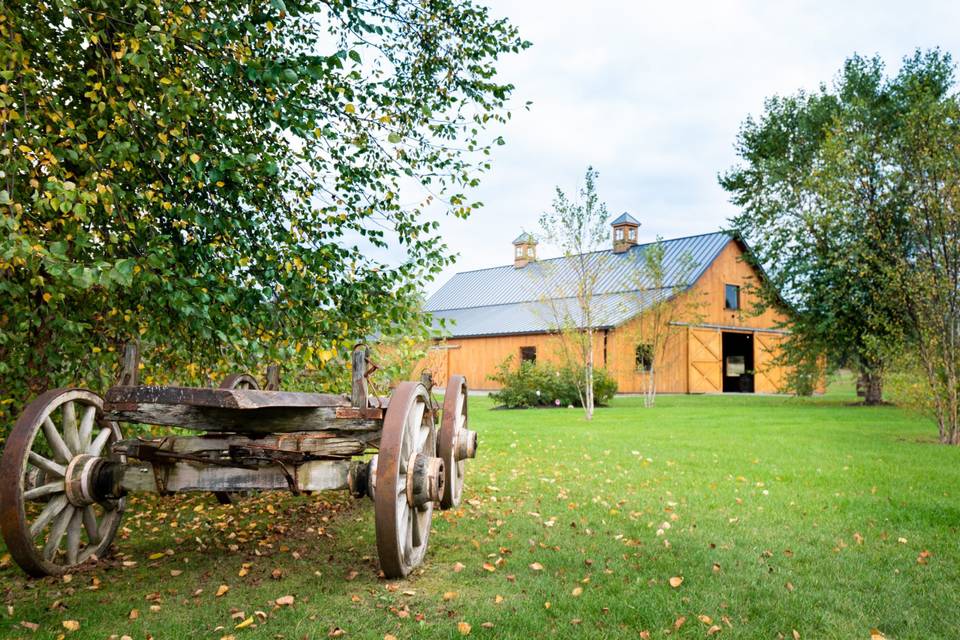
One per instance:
[(65, 468)]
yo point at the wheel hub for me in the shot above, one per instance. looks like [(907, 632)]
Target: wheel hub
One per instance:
[(466, 444), (80, 479), (424, 480)]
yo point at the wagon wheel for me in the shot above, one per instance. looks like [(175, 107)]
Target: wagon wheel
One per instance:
[(47, 483), (235, 381), (407, 480), (456, 443)]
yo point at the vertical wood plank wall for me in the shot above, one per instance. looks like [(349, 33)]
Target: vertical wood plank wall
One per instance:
[(703, 304)]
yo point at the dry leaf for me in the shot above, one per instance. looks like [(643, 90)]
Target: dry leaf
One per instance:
[(488, 567), (705, 619), (796, 635), (876, 634), (336, 632), (714, 629), (676, 581), (679, 622), (32, 626), (389, 636), (222, 589), (536, 566), (923, 557), (577, 591), (464, 628), (284, 601), (449, 595), (134, 614), (458, 567), (644, 635), (497, 599), (175, 572), (71, 625), (487, 625)]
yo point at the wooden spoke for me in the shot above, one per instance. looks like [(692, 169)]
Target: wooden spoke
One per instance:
[(86, 425), (44, 490), (73, 537), (56, 532), (49, 466), (96, 447), (70, 434), (91, 525), (51, 511), (55, 440)]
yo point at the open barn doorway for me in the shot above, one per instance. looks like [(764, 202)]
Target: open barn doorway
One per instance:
[(737, 362)]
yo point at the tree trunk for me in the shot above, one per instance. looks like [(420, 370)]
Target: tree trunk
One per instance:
[(588, 392), (873, 388)]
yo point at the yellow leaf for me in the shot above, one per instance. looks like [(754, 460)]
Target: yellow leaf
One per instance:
[(46, 297), (349, 109), (577, 592), (194, 158), (449, 595), (536, 566), (464, 628), (222, 589), (246, 623), (157, 556), (676, 581), (71, 625)]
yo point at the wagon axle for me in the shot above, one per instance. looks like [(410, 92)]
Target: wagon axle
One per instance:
[(65, 469)]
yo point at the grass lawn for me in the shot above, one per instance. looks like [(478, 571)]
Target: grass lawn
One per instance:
[(784, 517)]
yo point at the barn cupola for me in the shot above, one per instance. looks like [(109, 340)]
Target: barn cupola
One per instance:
[(624, 232), (524, 250)]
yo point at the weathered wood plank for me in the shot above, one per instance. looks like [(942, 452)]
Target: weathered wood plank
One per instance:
[(246, 399), (320, 475), (317, 443), (268, 420)]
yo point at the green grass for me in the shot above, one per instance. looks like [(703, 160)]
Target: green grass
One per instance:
[(784, 514)]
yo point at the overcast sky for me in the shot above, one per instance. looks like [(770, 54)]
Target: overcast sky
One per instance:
[(652, 95)]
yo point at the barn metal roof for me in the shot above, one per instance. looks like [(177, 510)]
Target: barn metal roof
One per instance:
[(506, 300), (625, 218)]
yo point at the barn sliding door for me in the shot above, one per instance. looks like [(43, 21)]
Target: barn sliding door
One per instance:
[(704, 355), (769, 377)]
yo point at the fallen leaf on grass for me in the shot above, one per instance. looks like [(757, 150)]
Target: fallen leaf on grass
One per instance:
[(497, 599), (284, 601), (796, 635), (246, 623), (489, 567), (458, 567), (134, 614), (536, 566), (923, 557), (714, 629), (336, 632), (449, 595), (679, 622), (222, 589), (577, 592), (464, 628), (876, 634), (71, 625), (705, 619), (487, 625), (32, 626), (676, 581), (156, 556), (351, 575), (175, 572)]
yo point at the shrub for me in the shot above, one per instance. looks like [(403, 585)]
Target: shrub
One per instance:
[(543, 385)]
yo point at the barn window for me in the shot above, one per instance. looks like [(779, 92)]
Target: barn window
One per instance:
[(644, 356), (528, 354), (619, 234), (633, 233), (732, 297), (519, 252)]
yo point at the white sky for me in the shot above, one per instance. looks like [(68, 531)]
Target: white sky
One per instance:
[(652, 95)]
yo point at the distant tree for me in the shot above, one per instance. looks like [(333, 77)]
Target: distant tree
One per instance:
[(824, 211), (578, 226), (925, 156), (663, 300), (211, 176)]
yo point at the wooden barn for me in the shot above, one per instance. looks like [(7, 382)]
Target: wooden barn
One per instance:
[(714, 344)]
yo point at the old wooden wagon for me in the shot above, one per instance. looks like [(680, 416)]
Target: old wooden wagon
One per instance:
[(66, 467)]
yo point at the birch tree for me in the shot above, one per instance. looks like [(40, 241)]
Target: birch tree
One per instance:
[(578, 226)]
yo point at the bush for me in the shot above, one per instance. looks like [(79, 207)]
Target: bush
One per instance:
[(544, 385)]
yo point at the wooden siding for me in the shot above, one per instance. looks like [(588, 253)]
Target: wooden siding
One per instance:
[(692, 361)]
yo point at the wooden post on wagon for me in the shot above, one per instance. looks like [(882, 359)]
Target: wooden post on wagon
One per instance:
[(358, 393), (273, 378), (130, 368)]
